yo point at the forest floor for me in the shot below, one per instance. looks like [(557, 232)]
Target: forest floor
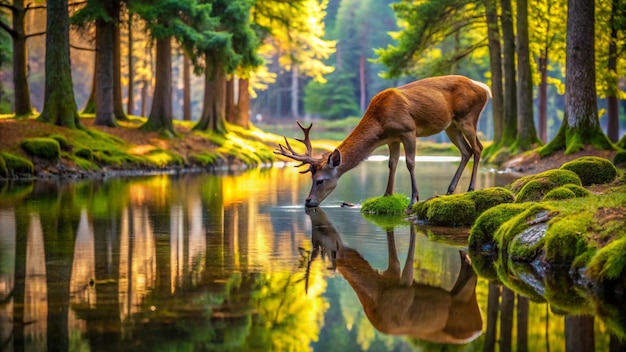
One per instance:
[(187, 143)]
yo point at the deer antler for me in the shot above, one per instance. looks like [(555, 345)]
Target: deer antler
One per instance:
[(304, 159)]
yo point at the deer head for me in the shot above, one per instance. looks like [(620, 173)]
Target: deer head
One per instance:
[(323, 170)]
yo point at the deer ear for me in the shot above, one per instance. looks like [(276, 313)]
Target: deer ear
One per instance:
[(334, 159)]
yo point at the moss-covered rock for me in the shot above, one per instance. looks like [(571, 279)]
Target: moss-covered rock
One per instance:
[(620, 158), (579, 191), (392, 204), (592, 170), (560, 193), (45, 148), (534, 188), (521, 238), (16, 165), (481, 235), (609, 262), (84, 153), (63, 143), (490, 197)]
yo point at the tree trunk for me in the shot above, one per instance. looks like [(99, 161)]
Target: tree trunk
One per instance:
[(21, 95), (90, 104), (186, 89), (160, 118), (294, 92), (579, 334), (243, 104), (144, 96), (130, 103), (543, 97), (526, 132), (214, 105), (509, 131), (612, 129), (59, 103), (495, 63), (580, 124), (231, 109), (362, 84), (118, 105), (104, 73)]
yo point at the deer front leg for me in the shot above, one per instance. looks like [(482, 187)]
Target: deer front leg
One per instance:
[(456, 137), (394, 156), (408, 140)]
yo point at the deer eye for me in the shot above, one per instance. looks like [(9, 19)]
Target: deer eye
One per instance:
[(319, 182)]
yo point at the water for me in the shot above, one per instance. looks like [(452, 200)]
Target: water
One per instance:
[(205, 262)]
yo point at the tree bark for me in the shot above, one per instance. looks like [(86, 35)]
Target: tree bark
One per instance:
[(231, 109), (243, 104), (22, 103), (104, 73), (543, 97), (90, 104), (59, 103), (160, 118), (510, 109), (214, 106), (118, 105), (130, 103), (526, 132), (612, 129), (186, 89), (495, 63)]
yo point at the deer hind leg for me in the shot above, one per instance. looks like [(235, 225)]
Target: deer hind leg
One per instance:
[(394, 156), (408, 141), (457, 138), (407, 272), (469, 132)]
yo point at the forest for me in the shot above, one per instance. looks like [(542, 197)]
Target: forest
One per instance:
[(246, 61)]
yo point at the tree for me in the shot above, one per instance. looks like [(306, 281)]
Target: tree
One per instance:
[(580, 126), (509, 131), (526, 133), (59, 105), (495, 63), (21, 96)]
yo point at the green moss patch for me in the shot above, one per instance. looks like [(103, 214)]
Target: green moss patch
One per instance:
[(592, 170), (387, 221), (84, 153), (16, 165), (579, 191), (534, 188), (620, 158), (560, 193), (482, 233), (45, 148), (490, 197), (63, 143), (392, 204)]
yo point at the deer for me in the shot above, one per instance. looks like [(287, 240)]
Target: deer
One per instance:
[(397, 116), (393, 301)]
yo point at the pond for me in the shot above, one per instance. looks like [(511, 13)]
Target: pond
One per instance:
[(235, 263)]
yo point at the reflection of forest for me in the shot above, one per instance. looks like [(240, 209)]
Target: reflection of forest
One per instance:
[(118, 265)]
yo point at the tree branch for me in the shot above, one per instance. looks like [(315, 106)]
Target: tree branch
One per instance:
[(35, 34), (8, 29), (81, 48)]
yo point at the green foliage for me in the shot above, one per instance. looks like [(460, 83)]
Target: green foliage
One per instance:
[(560, 193), (534, 188), (592, 170), (16, 165), (392, 204), (334, 99), (45, 148)]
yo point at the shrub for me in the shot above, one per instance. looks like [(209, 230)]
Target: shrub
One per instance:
[(17, 165), (592, 170), (45, 148)]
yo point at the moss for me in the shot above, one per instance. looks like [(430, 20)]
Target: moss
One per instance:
[(420, 209), (452, 210), (85, 164), (16, 165), (482, 233), (542, 183), (45, 148), (63, 143), (392, 204), (622, 142), (205, 158), (490, 197), (610, 261), (517, 185), (592, 170), (516, 225), (84, 153), (560, 193), (620, 158), (162, 158), (579, 191), (483, 263)]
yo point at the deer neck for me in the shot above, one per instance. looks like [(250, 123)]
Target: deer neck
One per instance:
[(357, 147)]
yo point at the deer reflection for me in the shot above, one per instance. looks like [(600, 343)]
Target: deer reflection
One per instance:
[(393, 301)]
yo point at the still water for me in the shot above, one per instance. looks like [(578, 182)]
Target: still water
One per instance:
[(235, 263)]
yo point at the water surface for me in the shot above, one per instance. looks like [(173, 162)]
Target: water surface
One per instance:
[(234, 262)]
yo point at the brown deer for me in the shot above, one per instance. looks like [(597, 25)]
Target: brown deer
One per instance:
[(392, 300), (399, 115)]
